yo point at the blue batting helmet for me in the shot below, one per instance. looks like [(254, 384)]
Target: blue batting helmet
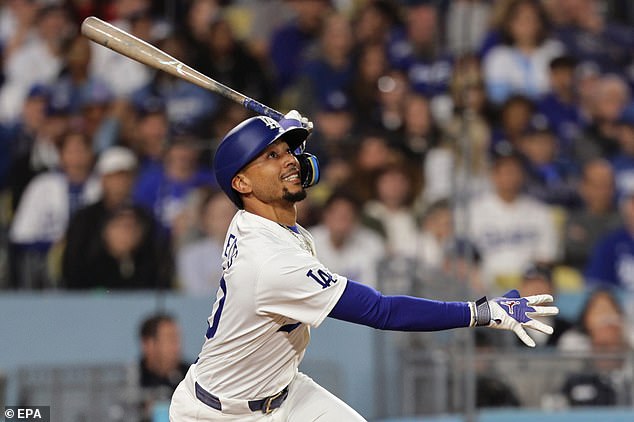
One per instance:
[(245, 142)]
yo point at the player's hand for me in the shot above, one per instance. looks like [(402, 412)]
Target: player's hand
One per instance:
[(514, 313), (294, 119)]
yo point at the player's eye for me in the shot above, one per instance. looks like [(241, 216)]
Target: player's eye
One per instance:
[(272, 154)]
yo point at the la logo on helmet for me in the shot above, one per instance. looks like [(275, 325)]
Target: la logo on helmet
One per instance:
[(270, 123)]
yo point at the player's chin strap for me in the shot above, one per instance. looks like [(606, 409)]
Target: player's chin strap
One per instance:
[(308, 169)]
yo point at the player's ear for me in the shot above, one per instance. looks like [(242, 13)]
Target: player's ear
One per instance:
[(241, 184)]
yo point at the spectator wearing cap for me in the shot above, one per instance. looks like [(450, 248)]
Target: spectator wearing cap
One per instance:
[(623, 162), (560, 104), (548, 177), (332, 139), (18, 138), (85, 244), (164, 189), (48, 203), (520, 64), (36, 61), (599, 139), (538, 279), (509, 228), (596, 216), (345, 245), (189, 107), (612, 259)]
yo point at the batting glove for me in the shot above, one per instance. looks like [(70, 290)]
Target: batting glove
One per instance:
[(294, 119), (512, 312)]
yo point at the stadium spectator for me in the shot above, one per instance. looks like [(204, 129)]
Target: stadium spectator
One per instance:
[(520, 64), (344, 244), (151, 133), (163, 189), (161, 366), (613, 256), (514, 119), (597, 215), (601, 329), (228, 61), (294, 42), (45, 208), (549, 178), (84, 250), (364, 90), (420, 133), (611, 95), (392, 207), (466, 25), (435, 235), (416, 50), (189, 107), (591, 39), (199, 263), (332, 70), (623, 162), (560, 104), (24, 66), (510, 229)]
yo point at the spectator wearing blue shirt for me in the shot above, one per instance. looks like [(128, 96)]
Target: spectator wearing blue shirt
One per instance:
[(291, 44), (164, 189), (623, 162), (560, 104), (612, 260), (548, 178), (589, 38), (416, 50), (333, 69), (188, 106)]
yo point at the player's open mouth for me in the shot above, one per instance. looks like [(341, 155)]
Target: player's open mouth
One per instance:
[(292, 177)]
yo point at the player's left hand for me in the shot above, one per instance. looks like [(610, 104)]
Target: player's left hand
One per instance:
[(512, 312), (294, 119)]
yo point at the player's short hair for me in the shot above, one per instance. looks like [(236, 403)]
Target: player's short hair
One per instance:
[(149, 326)]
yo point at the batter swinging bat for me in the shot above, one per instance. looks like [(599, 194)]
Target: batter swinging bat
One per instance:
[(130, 46)]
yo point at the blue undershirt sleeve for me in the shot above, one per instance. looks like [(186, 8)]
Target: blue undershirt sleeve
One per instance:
[(364, 305)]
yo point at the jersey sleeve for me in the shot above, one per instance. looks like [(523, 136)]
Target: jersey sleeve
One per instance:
[(297, 286)]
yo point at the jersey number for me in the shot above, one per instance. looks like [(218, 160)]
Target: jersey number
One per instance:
[(211, 331), (324, 278)]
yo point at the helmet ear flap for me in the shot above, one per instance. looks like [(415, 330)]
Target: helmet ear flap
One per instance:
[(308, 169)]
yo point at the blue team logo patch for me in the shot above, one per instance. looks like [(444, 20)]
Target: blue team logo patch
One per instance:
[(322, 277)]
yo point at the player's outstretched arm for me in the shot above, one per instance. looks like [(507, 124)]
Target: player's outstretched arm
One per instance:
[(362, 304)]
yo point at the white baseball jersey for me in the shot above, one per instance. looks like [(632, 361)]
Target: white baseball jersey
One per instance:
[(511, 236), (273, 288)]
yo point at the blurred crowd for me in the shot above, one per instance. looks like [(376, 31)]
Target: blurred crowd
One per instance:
[(472, 140)]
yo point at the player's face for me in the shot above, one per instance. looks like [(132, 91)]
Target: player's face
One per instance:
[(274, 175)]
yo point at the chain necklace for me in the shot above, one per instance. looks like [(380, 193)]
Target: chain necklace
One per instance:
[(304, 243)]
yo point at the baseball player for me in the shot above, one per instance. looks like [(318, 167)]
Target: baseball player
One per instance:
[(274, 289)]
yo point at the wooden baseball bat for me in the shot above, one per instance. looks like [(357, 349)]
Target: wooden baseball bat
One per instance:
[(130, 46)]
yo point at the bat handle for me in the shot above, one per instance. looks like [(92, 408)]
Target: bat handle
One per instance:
[(261, 109)]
